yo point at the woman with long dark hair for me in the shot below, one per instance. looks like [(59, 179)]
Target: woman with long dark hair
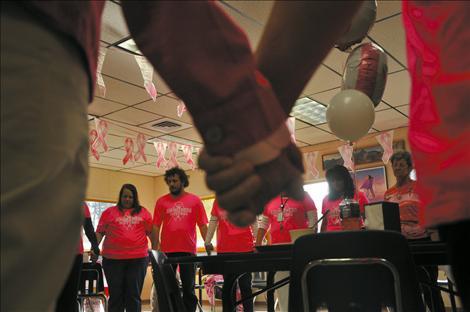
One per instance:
[(341, 186), (125, 228)]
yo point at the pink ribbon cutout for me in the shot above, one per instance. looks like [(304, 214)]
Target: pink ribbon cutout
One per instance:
[(147, 73), (102, 130), (386, 141), (140, 142), (99, 67), (311, 161), (173, 150), (290, 122), (160, 147), (180, 109), (129, 147), (92, 136), (188, 155), (209, 285), (346, 152)]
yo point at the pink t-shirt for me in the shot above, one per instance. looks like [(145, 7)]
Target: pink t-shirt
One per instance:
[(87, 214), (294, 216), (178, 218), (125, 234), (231, 238), (333, 219)]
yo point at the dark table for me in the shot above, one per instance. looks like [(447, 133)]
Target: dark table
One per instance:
[(279, 258)]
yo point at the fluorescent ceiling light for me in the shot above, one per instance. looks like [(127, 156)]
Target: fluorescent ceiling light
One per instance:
[(130, 45), (309, 111)]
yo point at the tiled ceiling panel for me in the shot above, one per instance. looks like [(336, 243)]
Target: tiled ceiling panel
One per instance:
[(133, 116), (102, 106)]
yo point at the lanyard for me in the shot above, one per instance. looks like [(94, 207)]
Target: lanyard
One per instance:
[(280, 216)]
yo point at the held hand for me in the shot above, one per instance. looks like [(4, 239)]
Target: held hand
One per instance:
[(93, 256), (209, 248), (244, 189)]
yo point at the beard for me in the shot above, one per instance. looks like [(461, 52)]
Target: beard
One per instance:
[(176, 191)]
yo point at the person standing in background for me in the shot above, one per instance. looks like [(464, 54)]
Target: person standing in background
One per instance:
[(176, 216), (341, 186), (231, 239), (125, 228), (404, 193), (67, 300), (281, 215)]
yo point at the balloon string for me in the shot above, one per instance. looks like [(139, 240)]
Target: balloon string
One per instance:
[(354, 167)]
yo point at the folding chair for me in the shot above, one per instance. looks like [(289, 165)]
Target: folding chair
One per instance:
[(354, 271), (91, 285)]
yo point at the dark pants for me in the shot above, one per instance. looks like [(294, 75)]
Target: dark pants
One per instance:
[(187, 275), (457, 237), (229, 291), (125, 281), (67, 300), (429, 275)]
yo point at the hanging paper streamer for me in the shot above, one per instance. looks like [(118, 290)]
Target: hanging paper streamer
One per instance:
[(180, 109), (102, 130), (92, 137), (99, 66), (346, 152), (160, 147), (147, 73), (173, 149), (209, 286), (311, 160), (188, 155), (140, 148), (386, 141), (290, 122), (129, 148)]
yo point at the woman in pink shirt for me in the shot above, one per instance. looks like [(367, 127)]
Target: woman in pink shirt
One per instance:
[(231, 239), (125, 228), (341, 186)]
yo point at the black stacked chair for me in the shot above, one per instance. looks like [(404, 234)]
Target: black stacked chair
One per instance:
[(354, 271)]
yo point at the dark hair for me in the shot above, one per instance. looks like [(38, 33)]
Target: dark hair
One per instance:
[(179, 172), (402, 155), (136, 204), (339, 172)]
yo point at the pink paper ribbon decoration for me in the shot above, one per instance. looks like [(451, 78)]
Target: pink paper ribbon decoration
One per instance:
[(346, 152), (160, 147), (311, 160), (129, 148), (180, 109), (147, 73), (188, 155), (290, 122), (386, 141), (92, 136), (173, 150), (140, 142), (209, 285), (99, 67), (102, 130)]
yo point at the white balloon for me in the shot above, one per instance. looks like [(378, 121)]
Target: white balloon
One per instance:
[(350, 115)]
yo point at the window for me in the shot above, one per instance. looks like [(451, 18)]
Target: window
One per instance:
[(317, 192), (96, 209)]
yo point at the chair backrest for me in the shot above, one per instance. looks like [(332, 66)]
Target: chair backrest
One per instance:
[(91, 279), (164, 278), (349, 286)]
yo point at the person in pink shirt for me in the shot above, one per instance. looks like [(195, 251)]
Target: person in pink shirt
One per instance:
[(281, 215), (230, 239), (125, 228), (67, 300), (174, 228), (341, 186)]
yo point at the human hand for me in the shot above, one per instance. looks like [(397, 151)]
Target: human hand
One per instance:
[(243, 189), (94, 256), (209, 248)]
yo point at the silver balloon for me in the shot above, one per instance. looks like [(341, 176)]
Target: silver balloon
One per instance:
[(360, 25), (350, 115)]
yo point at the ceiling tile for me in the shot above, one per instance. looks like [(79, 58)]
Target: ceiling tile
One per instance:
[(257, 10), (397, 89), (101, 106), (405, 109), (113, 26), (114, 141), (189, 134), (101, 166), (300, 124), (150, 169), (123, 92), (300, 144), (323, 79), (140, 172), (133, 116), (165, 106), (312, 135), (389, 119), (253, 29), (390, 35), (326, 96)]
